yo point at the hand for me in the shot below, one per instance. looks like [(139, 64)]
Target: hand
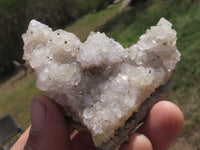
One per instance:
[(49, 130), (162, 126)]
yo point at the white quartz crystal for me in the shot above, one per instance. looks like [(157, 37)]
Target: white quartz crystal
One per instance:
[(98, 82)]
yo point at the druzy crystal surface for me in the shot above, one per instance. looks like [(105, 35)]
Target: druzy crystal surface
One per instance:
[(98, 82)]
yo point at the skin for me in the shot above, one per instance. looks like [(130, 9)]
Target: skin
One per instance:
[(49, 130)]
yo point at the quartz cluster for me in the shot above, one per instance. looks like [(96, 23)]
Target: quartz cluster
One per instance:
[(98, 82)]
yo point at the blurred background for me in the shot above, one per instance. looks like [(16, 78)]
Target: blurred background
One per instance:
[(123, 20)]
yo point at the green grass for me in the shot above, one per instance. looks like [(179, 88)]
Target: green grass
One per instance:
[(92, 22), (126, 28), (185, 17), (16, 97)]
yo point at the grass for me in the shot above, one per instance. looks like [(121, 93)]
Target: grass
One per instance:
[(92, 22), (16, 97), (184, 15), (126, 28)]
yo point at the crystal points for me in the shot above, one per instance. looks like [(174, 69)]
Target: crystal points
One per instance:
[(98, 82)]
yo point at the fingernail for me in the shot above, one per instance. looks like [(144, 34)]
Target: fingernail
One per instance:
[(38, 116)]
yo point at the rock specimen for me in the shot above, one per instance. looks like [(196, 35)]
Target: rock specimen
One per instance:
[(99, 83)]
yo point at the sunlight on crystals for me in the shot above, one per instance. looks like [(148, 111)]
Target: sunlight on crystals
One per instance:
[(99, 83), (124, 77)]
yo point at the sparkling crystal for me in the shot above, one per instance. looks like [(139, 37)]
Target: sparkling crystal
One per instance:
[(99, 80)]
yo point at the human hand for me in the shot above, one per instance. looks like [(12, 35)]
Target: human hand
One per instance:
[(49, 130)]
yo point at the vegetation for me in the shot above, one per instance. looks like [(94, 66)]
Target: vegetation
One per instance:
[(92, 22), (16, 95), (16, 14), (126, 28), (184, 15)]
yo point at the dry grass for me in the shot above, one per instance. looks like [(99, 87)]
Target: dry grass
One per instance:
[(16, 97), (92, 22)]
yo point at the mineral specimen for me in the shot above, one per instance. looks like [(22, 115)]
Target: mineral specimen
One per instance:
[(99, 83)]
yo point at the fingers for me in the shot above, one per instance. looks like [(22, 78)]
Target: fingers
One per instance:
[(161, 128), (163, 124), (19, 145), (81, 141), (48, 129), (137, 141)]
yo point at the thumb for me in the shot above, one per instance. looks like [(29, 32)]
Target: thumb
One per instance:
[(48, 130)]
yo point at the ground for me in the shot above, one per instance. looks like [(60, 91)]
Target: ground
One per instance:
[(126, 28)]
